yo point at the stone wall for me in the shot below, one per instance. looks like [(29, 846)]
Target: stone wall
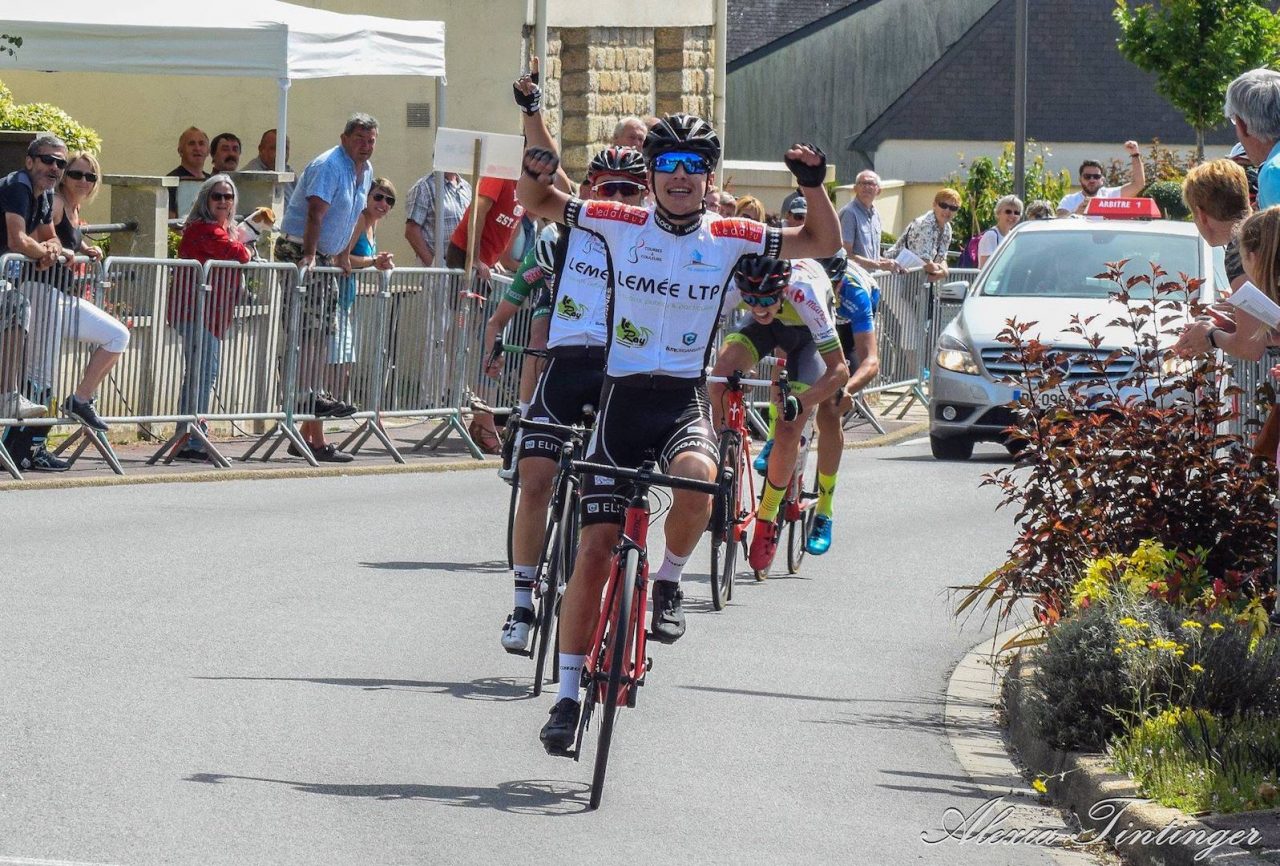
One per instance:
[(595, 76)]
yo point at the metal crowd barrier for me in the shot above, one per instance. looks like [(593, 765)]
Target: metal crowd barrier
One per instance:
[(227, 344), (1250, 407)]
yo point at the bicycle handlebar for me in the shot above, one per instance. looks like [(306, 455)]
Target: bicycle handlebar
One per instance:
[(737, 382), (646, 476)]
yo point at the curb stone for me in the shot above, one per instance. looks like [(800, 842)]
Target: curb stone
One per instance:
[(1078, 781), (908, 432)]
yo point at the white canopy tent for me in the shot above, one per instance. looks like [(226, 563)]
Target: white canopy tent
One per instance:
[(251, 38)]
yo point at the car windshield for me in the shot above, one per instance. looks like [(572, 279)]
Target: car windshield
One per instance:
[(1067, 264)]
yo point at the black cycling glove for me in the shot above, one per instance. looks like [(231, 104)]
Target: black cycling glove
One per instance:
[(540, 153), (530, 103), (809, 175)]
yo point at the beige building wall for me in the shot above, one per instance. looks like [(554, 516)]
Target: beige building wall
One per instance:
[(621, 59)]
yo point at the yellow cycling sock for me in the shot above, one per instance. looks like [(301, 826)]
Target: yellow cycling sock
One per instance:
[(773, 422), (770, 501), (826, 493)]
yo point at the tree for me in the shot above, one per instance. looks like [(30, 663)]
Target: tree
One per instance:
[(986, 180), (1195, 48)]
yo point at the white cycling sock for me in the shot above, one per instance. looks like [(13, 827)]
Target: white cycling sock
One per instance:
[(570, 675), (524, 575), (672, 567), (524, 407)]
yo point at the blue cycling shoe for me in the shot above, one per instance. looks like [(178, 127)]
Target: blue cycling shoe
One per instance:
[(761, 463), (819, 540)]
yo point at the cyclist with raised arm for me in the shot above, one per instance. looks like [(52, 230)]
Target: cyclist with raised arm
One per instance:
[(575, 284), (790, 304), (670, 262)]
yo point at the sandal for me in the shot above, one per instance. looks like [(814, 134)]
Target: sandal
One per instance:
[(484, 435)]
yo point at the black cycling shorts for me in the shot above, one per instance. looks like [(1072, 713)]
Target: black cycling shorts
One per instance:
[(634, 421), (570, 381), (804, 361)]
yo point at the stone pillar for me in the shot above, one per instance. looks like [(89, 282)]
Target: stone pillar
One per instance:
[(143, 200), (606, 74), (684, 60), (262, 189)]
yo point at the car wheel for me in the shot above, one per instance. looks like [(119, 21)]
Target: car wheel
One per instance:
[(955, 448)]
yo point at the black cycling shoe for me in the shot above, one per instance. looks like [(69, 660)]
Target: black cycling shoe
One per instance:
[(560, 731), (667, 625)]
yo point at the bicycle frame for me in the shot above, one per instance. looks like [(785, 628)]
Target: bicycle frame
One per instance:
[(635, 536)]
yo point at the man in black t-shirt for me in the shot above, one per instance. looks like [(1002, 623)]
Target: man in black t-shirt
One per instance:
[(26, 203), (193, 148)]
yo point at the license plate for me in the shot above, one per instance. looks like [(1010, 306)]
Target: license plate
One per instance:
[(1050, 399)]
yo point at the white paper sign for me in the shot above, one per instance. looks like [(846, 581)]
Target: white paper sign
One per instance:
[(909, 260), (500, 155), (1250, 299)]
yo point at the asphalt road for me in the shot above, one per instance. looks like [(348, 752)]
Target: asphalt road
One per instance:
[(308, 671)]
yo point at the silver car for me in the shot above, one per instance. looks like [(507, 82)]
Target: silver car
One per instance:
[(1045, 272)]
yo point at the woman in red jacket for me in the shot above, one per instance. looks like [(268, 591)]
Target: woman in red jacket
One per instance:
[(208, 235)]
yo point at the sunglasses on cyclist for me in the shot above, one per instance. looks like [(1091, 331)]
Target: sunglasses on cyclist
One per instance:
[(222, 196), (759, 300), (389, 199), (50, 159), (667, 163), (77, 174), (618, 187)]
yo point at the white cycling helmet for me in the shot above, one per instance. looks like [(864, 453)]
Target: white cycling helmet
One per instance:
[(544, 249)]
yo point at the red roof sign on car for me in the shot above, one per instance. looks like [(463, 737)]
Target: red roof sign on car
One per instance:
[(1123, 208)]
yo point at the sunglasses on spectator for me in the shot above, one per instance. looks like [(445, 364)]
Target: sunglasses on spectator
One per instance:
[(77, 174), (50, 159), (759, 300), (667, 163), (1008, 212), (222, 196), (1091, 176), (618, 187), (951, 207), (389, 199)]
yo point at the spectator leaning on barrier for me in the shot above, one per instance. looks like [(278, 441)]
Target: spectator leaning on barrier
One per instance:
[(1253, 106), (317, 228), (266, 160), (1008, 212), (193, 150), (26, 211), (1217, 194), (497, 218), (224, 151), (1091, 177), (929, 235), (860, 227), (362, 252), (208, 235), (454, 195)]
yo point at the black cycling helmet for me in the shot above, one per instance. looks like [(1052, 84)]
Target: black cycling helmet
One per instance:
[(835, 265), (682, 132), (761, 275), (621, 161)]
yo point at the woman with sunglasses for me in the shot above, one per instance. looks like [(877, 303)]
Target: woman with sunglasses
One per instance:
[(209, 234), (929, 235), (1008, 213), (73, 312), (670, 263), (362, 252)]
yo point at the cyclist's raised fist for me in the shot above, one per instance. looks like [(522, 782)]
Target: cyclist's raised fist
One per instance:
[(541, 164), (808, 163)]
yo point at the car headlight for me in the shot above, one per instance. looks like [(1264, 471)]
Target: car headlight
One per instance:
[(955, 356)]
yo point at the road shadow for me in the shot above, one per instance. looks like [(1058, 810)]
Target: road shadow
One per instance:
[(484, 689), (984, 459), (753, 693), (489, 566), (550, 797)]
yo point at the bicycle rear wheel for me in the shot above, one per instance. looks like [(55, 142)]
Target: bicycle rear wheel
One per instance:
[(724, 519), (617, 641)]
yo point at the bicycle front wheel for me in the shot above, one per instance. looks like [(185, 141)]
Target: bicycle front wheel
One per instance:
[(798, 529), (618, 639), (559, 566), (511, 516)]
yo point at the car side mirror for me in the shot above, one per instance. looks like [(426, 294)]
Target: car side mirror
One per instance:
[(954, 291)]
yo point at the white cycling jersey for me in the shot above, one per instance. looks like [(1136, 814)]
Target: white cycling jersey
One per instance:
[(669, 282), (579, 303), (806, 303)]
